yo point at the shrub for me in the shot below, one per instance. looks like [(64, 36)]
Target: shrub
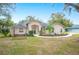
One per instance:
[(5, 31), (30, 33), (10, 35)]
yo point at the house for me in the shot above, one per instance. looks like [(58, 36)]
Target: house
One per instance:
[(25, 27), (36, 26), (58, 28)]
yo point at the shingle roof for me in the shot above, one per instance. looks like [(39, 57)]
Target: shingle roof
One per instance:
[(19, 26), (23, 24), (28, 21)]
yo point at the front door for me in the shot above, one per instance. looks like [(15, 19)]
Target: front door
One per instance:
[(35, 29)]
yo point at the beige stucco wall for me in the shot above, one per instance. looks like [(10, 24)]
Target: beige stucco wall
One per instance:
[(34, 23), (58, 28), (16, 31)]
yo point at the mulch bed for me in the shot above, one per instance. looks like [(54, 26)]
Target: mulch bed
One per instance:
[(54, 35)]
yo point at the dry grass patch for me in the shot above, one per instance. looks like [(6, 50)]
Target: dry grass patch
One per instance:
[(36, 46)]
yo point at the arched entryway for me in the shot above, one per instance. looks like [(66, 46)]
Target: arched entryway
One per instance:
[(35, 29)]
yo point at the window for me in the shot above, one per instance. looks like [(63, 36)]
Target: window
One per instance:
[(20, 29)]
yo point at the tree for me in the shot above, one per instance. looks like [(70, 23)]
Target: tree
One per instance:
[(29, 19), (5, 11), (59, 18), (6, 22), (9, 22), (70, 6), (5, 25), (5, 31), (49, 28), (6, 8)]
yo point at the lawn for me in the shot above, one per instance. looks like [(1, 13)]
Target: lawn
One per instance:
[(39, 46)]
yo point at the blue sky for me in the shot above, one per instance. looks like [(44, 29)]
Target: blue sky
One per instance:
[(41, 11)]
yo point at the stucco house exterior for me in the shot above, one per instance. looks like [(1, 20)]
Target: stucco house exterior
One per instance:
[(36, 26), (24, 28), (58, 28)]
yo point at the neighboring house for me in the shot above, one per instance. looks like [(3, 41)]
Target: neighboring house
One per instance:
[(58, 28), (25, 27)]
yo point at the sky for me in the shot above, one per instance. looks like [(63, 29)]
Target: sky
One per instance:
[(41, 11)]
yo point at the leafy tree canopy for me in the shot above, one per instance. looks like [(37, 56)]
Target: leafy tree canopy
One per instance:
[(6, 8), (5, 24), (70, 6), (59, 18)]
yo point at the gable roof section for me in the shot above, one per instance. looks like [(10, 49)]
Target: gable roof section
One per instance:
[(29, 21)]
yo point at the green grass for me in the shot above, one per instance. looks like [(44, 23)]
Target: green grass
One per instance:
[(35, 46), (76, 35), (65, 33)]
